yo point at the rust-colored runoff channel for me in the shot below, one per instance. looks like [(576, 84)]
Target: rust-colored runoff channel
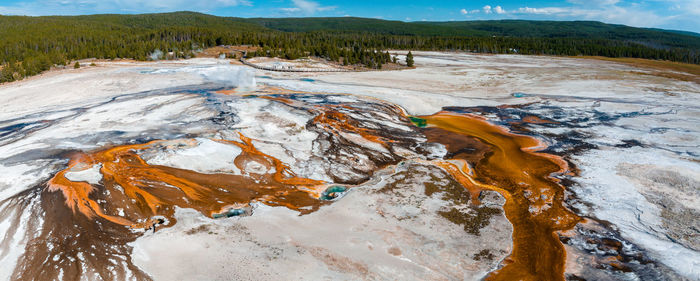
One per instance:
[(143, 191), (534, 199), (134, 193)]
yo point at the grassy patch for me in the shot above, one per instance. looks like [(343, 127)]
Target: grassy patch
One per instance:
[(680, 71)]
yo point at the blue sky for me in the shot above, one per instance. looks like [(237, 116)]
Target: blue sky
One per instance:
[(669, 14)]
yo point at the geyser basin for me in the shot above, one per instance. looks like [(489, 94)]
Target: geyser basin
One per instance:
[(297, 151), (429, 195)]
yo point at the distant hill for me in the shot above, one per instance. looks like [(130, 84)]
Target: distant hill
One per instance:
[(510, 28), (679, 32), (353, 24), (168, 20), (30, 45), (579, 29)]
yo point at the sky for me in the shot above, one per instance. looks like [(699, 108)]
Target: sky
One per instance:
[(667, 14)]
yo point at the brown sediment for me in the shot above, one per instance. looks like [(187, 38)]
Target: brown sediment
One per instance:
[(66, 246), (459, 146), (144, 191), (534, 199), (536, 120), (337, 121)]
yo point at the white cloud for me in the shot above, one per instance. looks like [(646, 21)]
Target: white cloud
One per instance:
[(290, 10), (488, 10), (610, 14), (499, 10), (685, 13), (686, 7), (307, 7), (13, 11), (594, 3), (465, 12), (540, 11)]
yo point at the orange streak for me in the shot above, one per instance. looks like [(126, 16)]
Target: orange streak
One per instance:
[(460, 172), (534, 200), (227, 92), (283, 174), (76, 194), (338, 121), (536, 120), (145, 190)]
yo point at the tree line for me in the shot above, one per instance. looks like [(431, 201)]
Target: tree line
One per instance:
[(31, 45)]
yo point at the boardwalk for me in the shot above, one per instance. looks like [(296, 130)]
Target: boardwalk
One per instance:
[(291, 69)]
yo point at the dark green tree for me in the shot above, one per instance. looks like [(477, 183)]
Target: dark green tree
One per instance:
[(409, 59)]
